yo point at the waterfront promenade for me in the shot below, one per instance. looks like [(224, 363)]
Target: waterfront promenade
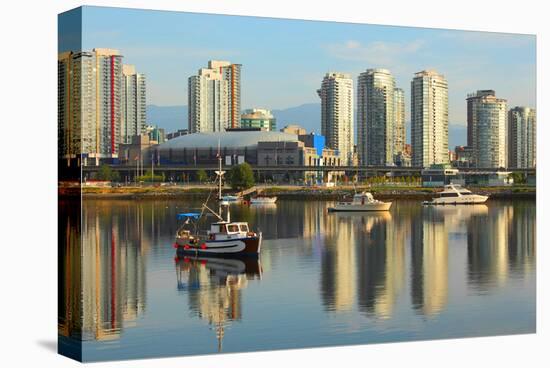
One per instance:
[(145, 191)]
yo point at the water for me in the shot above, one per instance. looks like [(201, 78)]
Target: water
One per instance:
[(323, 279)]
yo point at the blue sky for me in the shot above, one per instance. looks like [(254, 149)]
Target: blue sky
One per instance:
[(284, 60)]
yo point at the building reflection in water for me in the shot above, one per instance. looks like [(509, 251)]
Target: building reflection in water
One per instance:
[(364, 260), (214, 285), (429, 261), (105, 273), (501, 244), (69, 302), (372, 261), (364, 257), (380, 261), (338, 264)]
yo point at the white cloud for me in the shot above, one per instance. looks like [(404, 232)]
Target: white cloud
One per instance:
[(375, 53)]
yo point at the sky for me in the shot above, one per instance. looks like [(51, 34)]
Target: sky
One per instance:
[(284, 61)]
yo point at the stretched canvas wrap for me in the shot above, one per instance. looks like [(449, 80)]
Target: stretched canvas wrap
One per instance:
[(235, 184)]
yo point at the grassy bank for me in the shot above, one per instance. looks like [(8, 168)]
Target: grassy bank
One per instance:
[(287, 192)]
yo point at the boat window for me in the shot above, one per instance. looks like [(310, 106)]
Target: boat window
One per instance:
[(223, 229), (445, 195), (244, 228), (232, 228)]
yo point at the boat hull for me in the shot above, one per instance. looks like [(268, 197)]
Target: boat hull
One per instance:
[(382, 206), (472, 199), (249, 246), (263, 200)]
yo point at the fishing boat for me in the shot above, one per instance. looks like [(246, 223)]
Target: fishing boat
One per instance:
[(361, 202), (456, 194), (263, 200), (224, 237)]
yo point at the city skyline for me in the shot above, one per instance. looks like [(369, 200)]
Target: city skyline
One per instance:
[(173, 46)]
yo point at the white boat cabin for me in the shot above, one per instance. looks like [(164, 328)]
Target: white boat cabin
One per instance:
[(228, 230), (362, 198)]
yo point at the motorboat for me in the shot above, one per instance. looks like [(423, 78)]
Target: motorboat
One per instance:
[(263, 200), (224, 237), (456, 194), (361, 202), (230, 198)]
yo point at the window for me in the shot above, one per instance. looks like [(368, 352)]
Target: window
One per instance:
[(232, 228), (446, 195)]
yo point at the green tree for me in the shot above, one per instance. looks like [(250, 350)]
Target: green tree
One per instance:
[(518, 178), (149, 177), (201, 176), (107, 173), (241, 177)]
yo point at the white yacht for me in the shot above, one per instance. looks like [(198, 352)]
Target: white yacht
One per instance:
[(263, 200), (456, 194), (361, 202), (231, 198)]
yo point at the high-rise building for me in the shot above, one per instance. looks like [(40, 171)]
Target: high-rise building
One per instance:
[(214, 97), (470, 101), (429, 119), (375, 117), (258, 118), (487, 129), (522, 137), (336, 95), (133, 103), (69, 144), (399, 135), (89, 104)]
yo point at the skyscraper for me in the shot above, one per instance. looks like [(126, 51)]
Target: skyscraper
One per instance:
[(399, 136), (336, 95), (429, 119), (522, 137), (133, 103), (470, 101), (487, 129), (89, 104), (375, 117), (214, 97)]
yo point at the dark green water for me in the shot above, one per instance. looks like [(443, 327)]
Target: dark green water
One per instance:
[(322, 279)]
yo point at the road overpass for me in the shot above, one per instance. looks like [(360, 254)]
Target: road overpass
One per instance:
[(130, 170)]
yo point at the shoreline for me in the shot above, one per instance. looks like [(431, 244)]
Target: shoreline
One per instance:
[(285, 192)]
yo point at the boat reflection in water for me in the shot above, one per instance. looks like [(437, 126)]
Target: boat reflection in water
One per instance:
[(213, 286)]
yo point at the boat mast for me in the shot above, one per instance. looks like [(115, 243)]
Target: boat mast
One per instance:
[(220, 174)]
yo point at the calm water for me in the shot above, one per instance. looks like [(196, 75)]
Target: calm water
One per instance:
[(322, 279)]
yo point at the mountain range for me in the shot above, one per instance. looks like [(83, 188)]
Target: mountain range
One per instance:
[(172, 118)]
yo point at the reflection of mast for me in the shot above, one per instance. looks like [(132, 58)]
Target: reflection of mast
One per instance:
[(214, 287), (219, 333)]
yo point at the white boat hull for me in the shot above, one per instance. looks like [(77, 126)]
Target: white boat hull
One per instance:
[(230, 198), (263, 200), (351, 207), (470, 199)]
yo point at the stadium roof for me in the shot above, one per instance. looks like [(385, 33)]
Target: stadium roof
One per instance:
[(226, 139)]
